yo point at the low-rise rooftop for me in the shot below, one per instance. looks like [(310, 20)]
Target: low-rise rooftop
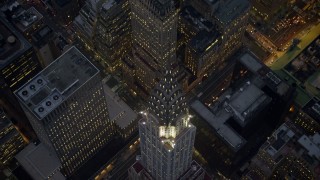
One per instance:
[(57, 82), (245, 102), (217, 121), (241, 105), (270, 78), (118, 110), (26, 18), (42, 35), (229, 10), (40, 163), (279, 139), (311, 144)]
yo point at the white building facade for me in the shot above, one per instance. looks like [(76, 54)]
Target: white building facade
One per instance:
[(166, 134)]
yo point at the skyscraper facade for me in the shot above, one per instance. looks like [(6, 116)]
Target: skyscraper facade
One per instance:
[(66, 106), (154, 34), (230, 17), (166, 134), (11, 142), (113, 33), (105, 25)]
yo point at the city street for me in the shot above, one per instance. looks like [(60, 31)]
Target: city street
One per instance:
[(261, 39)]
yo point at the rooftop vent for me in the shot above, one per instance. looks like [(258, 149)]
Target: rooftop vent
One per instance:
[(11, 39), (39, 81), (32, 87), (48, 103), (40, 109), (55, 97), (25, 93)]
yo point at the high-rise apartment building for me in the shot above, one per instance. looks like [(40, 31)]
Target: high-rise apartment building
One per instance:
[(166, 134), (11, 142), (106, 27), (113, 33), (154, 36), (66, 106)]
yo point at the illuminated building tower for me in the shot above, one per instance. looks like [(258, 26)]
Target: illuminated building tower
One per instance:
[(154, 33), (105, 26), (166, 135), (66, 106), (113, 33), (11, 142)]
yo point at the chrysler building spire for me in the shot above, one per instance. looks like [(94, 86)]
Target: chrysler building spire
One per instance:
[(167, 100)]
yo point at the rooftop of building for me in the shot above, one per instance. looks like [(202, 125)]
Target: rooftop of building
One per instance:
[(287, 145), (194, 171), (247, 100), (229, 10), (39, 162), (279, 139), (118, 110), (311, 144), (12, 43), (23, 19), (227, 133), (204, 40), (137, 166), (41, 36), (163, 8), (240, 105), (271, 79), (62, 3), (196, 19), (312, 108), (56, 82)]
